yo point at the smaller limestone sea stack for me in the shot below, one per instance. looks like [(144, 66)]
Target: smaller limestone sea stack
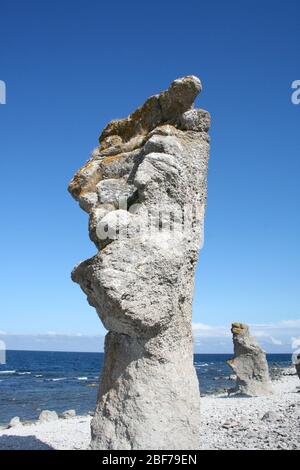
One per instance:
[(249, 364)]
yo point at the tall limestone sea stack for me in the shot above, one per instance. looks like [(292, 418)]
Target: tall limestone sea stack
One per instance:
[(249, 364), (145, 191)]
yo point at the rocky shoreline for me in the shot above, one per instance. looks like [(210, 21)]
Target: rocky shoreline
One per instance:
[(256, 423), (265, 423)]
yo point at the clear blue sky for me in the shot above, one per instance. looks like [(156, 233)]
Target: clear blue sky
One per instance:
[(70, 67)]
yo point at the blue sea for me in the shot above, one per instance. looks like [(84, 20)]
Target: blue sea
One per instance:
[(32, 381)]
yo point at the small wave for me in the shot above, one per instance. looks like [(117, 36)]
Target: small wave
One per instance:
[(39, 375), (57, 379), (81, 378), (23, 373), (7, 372), (201, 365)]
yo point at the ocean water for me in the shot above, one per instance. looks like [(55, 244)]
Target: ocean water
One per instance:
[(32, 381)]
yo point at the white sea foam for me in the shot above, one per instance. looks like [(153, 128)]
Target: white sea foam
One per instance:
[(7, 372), (82, 378)]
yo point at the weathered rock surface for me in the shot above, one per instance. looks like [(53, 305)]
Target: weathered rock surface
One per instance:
[(68, 414), (297, 365), (288, 371), (46, 416), (249, 364), (145, 191), (15, 422)]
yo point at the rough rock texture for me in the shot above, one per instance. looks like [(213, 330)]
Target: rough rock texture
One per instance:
[(297, 364), (145, 191), (47, 415), (249, 364), (68, 414), (14, 422)]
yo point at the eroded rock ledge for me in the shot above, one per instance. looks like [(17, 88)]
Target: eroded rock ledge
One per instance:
[(147, 182)]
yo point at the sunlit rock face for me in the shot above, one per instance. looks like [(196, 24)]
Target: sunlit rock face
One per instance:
[(145, 191), (249, 364)]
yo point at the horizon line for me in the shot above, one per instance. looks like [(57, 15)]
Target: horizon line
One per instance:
[(102, 352)]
